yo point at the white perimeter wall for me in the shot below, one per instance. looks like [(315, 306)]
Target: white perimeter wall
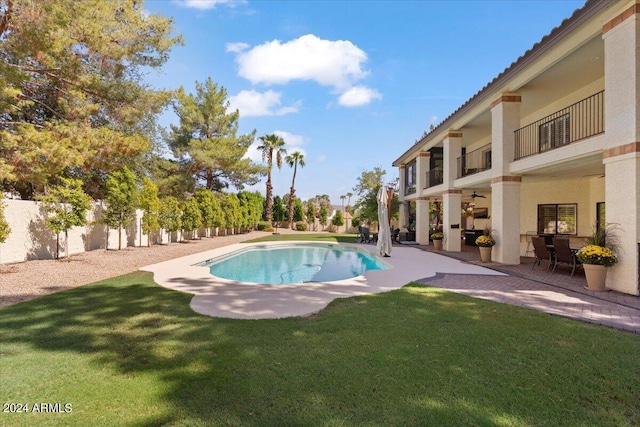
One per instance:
[(30, 238)]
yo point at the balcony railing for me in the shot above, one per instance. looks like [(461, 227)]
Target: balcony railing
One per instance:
[(435, 177), (573, 123), (409, 189), (475, 161)]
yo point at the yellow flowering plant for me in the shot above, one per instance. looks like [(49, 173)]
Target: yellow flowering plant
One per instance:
[(437, 236), (599, 255), (486, 240)]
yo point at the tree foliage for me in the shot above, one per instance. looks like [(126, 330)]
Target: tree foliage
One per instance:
[(5, 230), (66, 206), (298, 210), (251, 203), (323, 215), (210, 209), (72, 96), (278, 209), (338, 219), (231, 208), (121, 200), (191, 216), (367, 190), (170, 215), (150, 205), (206, 140), (271, 144)]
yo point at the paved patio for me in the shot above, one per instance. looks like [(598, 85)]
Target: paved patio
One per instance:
[(539, 289), (460, 272)]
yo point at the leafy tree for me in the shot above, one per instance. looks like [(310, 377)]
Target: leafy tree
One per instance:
[(367, 189), (298, 210), (72, 94), (231, 208), (293, 160), (349, 196), (206, 140), (338, 219), (150, 205), (170, 215), (323, 215), (311, 213), (5, 230), (271, 144), (121, 199), (209, 206), (191, 216), (252, 202), (278, 209), (66, 205)]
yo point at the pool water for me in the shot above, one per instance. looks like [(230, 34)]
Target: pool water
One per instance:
[(292, 264)]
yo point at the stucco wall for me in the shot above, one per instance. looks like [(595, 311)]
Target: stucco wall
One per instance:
[(30, 238)]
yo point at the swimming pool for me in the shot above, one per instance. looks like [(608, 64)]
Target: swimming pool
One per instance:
[(293, 264)]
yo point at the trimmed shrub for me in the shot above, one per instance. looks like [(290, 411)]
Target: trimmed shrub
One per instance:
[(264, 226), (301, 226)]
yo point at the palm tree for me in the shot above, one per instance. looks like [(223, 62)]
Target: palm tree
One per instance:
[(349, 195), (271, 144), (342, 198), (294, 159)]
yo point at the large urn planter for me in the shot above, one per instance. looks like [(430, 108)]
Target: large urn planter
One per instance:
[(437, 245), (596, 277), (485, 253)]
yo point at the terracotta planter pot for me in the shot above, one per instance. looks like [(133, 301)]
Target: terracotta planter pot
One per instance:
[(596, 277), (485, 253), (437, 245)]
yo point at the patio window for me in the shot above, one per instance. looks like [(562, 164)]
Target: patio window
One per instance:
[(410, 178), (554, 133), (558, 218)]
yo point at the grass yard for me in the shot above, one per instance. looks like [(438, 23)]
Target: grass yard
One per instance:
[(320, 237), (127, 352)]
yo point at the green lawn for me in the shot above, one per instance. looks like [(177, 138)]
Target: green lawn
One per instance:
[(125, 351)]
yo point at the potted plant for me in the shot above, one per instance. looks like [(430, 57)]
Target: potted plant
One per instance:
[(485, 242), (595, 260), (437, 240)]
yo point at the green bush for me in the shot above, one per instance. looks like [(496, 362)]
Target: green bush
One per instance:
[(301, 226), (264, 226)]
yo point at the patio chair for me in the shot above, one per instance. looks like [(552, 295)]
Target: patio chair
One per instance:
[(395, 236), (365, 235), (564, 254), (540, 251)]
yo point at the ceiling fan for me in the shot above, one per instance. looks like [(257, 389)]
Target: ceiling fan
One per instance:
[(474, 195)]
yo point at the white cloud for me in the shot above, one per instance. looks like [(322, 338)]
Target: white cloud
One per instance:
[(236, 47), (322, 158), (337, 64), (291, 140), (434, 119), (358, 96), (207, 4), (252, 103)]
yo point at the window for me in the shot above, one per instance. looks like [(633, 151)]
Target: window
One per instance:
[(558, 219), (487, 159), (554, 133), (410, 178)]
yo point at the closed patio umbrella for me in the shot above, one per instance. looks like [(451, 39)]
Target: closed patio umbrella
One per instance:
[(384, 232)]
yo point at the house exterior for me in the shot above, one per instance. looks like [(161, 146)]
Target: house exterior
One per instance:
[(550, 146)]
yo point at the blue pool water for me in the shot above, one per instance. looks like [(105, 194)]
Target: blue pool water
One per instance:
[(293, 264)]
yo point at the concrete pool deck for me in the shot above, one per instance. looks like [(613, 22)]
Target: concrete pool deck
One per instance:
[(218, 297)]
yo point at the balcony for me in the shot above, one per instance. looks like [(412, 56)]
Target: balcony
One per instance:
[(434, 177), (573, 123), (475, 161)]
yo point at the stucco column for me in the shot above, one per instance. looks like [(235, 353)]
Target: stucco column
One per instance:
[(505, 219), (452, 149), (422, 168), (505, 188), (422, 221), (451, 215), (622, 140)]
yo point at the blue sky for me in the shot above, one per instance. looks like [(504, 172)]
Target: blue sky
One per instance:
[(350, 84)]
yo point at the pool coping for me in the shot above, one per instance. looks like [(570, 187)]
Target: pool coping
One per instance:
[(214, 296)]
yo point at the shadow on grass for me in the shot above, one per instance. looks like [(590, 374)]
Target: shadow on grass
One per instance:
[(416, 356)]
